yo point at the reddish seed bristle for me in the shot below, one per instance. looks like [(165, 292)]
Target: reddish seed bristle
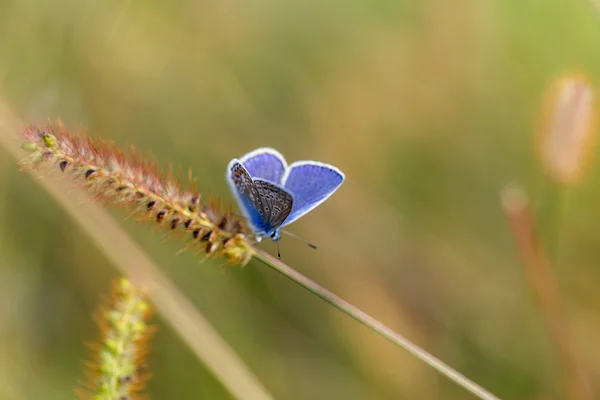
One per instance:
[(135, 183)]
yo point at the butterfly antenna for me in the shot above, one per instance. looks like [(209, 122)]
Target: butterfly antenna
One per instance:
[(278, 252), (312, 246)]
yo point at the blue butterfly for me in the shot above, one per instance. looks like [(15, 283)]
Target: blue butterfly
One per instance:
[(272, 194)]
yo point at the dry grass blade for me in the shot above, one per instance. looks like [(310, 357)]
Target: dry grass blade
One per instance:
[(125, 253)]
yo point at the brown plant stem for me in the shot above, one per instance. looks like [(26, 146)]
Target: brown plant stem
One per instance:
[(545, 288)]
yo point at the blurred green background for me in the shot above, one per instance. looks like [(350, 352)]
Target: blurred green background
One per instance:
[(429, 107)]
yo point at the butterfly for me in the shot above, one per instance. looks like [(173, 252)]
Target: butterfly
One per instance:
[(272, 194)]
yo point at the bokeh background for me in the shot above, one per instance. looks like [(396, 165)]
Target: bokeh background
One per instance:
[(430, 107)]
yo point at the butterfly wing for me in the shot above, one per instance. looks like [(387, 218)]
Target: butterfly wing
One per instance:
[(264, 204), (246, 194), (276, 202), (311, 183), (265, 163)]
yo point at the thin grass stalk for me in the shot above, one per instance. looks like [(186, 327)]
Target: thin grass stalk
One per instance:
[(374, 325), (545, 288)]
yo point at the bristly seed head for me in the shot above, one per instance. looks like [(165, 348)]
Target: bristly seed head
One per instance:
[(134, 183), (118, 369), (567, 132)]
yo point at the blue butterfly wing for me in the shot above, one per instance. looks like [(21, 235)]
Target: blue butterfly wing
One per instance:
[(311, 183), (264, 204), (265, 163)]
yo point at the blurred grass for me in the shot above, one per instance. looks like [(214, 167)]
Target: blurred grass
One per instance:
[(429, 107)]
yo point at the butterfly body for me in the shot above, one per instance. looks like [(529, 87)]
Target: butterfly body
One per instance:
[(272, 194)]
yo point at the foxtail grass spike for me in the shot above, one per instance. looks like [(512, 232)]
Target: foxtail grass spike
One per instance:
[(130, 181), (118, 370), (566, 136)]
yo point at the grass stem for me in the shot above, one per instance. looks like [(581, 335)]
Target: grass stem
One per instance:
[(545, 288), (374, 325)]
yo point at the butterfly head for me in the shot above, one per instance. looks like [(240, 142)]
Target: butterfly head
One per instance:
[(275, 235)]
